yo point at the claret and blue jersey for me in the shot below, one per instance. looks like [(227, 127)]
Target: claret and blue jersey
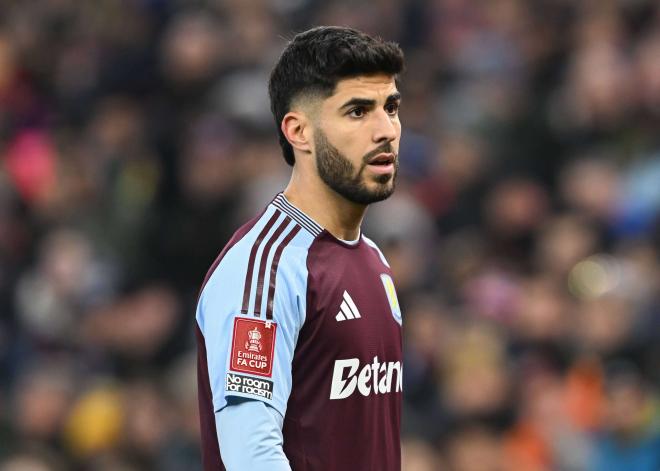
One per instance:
[(310, 325)]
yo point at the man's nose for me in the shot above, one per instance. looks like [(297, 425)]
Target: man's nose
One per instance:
[(385, 129)]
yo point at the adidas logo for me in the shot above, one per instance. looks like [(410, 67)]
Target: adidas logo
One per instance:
[(348, 309)]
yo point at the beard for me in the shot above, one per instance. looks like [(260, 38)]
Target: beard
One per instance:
[(337, 171)]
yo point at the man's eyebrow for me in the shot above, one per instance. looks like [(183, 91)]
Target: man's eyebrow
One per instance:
[(396, 96), (368, 102), (359, 102)]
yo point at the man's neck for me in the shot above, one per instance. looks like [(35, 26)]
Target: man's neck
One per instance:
[(333, 212)]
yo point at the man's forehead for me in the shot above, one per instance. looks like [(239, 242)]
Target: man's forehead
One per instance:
[(365, 86)]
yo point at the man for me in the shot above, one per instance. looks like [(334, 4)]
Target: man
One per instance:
[(299, 327)]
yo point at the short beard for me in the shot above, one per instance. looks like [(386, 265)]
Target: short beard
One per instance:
[(339, 173)]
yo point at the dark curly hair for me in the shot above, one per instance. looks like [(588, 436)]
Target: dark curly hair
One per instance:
[(315, 60)]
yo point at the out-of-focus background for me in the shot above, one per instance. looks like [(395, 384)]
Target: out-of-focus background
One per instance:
[(135, 137)]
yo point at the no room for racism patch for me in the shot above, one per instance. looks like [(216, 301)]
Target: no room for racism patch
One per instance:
[(246, 385)]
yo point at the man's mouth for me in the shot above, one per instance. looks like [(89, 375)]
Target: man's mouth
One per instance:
[(383, 159), (382, 164)]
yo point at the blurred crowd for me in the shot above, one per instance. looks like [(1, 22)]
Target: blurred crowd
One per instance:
[(136, 136)]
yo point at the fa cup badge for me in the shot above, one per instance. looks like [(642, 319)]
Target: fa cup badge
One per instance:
[(253, 346), (254, 341)]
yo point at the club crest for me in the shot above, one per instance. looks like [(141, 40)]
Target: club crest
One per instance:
[(388, 284)]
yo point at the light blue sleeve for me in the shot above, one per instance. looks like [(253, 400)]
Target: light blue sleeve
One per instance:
[(219, 313), (251, 437)]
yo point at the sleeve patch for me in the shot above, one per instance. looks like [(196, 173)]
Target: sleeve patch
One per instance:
[(246, 385), (253, 346)]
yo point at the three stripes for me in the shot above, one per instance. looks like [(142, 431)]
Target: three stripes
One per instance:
[(271, 242)]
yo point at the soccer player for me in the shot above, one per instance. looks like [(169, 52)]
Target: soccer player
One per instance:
[(298, 323)]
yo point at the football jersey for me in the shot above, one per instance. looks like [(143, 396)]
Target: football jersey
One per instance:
[(310, 325)]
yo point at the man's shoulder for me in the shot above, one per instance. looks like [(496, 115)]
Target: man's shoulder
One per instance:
[(273, 234), (271, 241)]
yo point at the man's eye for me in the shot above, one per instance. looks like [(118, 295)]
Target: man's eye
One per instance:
[(356, 112), (392, 108)]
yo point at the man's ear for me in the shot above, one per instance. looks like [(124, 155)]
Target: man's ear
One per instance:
[(296, 127)]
